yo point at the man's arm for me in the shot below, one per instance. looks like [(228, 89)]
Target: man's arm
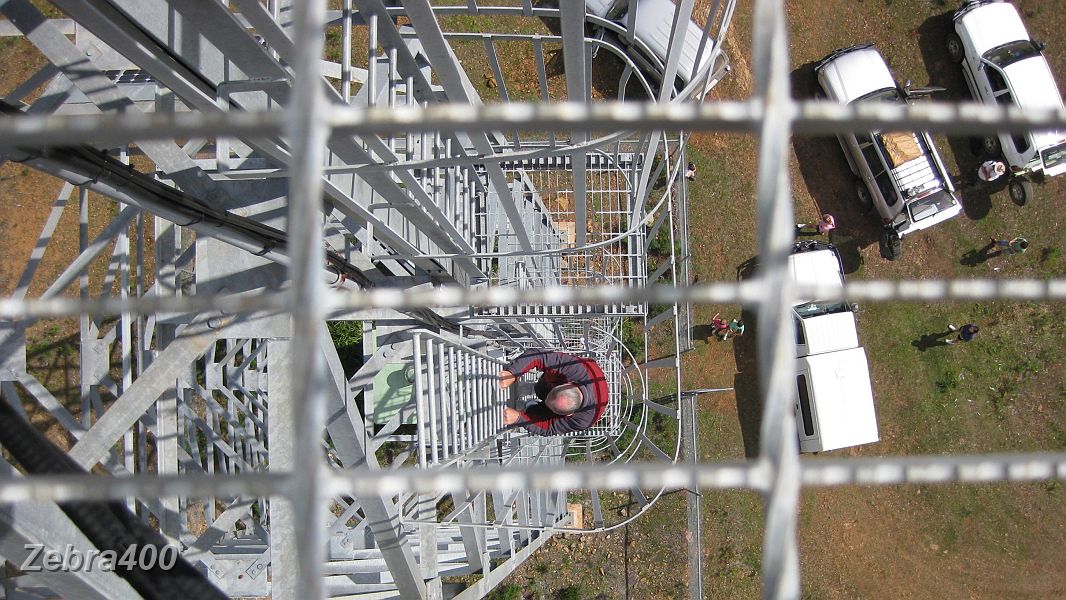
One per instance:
[(549, 361)]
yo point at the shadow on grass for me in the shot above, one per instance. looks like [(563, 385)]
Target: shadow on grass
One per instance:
[(932, 36), (703, 332), (827, 177), (848, 249), (746, 269), (978, 256), (932, 340), (746, 385)]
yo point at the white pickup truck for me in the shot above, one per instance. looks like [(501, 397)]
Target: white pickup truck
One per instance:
[(1003, 66), (899, 173), (834, 402), (654, 20)]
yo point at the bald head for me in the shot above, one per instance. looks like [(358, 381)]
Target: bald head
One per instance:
[(564, 400)]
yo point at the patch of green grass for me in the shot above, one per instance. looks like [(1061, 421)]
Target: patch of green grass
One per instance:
[(508, 591), (947, 382)]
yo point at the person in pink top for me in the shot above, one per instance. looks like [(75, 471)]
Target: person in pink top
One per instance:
[(825, 224)]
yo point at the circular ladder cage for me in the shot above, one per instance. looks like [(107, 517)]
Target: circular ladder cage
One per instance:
[(193, 306)]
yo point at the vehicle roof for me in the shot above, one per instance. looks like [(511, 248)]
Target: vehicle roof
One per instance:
[(992, 25), (847, 75), (654, 22), (819, 267), (1034, 87), (842, 397), (829, 333)]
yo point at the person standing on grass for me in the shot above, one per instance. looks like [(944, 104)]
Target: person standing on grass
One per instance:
[(573, 392), (966, 333), (690, 172), (825, 224), (1017, 245)]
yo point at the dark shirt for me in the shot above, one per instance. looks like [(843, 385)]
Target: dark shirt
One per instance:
[(560, 368), (968, 332)]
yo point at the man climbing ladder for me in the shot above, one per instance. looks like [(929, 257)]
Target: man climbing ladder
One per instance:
[(572, 390)]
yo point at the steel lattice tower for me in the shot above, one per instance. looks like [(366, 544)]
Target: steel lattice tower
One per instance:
[(217, 360)]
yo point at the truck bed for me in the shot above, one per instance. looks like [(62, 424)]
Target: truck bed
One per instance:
[(912, 165)]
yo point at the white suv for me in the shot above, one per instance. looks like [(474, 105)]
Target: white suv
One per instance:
[(1002, 65), (899, 172)]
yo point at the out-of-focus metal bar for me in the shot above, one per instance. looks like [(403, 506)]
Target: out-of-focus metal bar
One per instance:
[(572, 22), (597, 507), (778, 445), (746, 292), (308, 133), (809, 118)]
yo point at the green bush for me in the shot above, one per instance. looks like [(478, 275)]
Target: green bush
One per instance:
[(660, 246), (348, 338)]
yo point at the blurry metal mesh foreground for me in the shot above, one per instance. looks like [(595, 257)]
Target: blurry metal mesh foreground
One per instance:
[(278, 183)]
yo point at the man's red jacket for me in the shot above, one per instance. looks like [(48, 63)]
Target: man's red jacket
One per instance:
[(560, 368)]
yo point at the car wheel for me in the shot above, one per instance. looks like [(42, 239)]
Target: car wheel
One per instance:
[(863, 195), (955, 49), (890, 245), (1021, 190), (990, 147)]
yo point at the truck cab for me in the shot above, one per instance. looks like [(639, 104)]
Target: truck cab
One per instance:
[(834, 395)]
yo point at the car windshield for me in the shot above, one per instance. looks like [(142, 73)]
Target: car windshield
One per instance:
[(882, 95), (817, 309), (929, 205), (1008, 54)]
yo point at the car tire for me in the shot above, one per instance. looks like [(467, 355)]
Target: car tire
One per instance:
[(862, 193), (1021, 190), (955, 50), (990, 147), (890, 244)]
